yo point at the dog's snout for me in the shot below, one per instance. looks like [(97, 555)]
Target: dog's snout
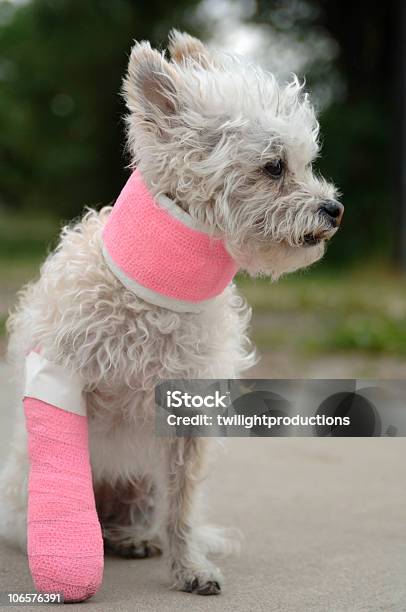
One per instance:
[(334, 210)]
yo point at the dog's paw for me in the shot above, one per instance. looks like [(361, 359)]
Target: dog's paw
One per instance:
[(209, 587), (133, 550), (205, 581)]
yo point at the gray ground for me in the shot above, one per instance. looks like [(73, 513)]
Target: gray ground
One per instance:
[(324, 523)]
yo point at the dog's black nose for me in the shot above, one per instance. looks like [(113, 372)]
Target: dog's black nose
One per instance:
[(333, 209)]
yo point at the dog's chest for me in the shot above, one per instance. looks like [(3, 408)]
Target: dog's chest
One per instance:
[(125, 451)]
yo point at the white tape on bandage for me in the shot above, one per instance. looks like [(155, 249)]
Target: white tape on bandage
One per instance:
[(52, 384)]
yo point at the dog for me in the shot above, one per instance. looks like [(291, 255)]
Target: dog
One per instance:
[(220, 142)]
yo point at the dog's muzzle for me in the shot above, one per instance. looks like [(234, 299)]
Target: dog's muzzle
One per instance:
[(331, 212)]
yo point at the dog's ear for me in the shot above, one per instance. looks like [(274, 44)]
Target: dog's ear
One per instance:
[(183, 46), (150, 85)]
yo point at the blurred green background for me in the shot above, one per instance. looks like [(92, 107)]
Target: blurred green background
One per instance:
[(62, 148)]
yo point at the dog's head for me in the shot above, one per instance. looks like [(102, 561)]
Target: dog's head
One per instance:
[(235, 149)]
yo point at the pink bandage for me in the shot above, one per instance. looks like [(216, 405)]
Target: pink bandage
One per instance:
[(65, 545), (158, 251)]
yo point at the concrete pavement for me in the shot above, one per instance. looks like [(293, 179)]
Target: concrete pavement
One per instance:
[(324, 523)]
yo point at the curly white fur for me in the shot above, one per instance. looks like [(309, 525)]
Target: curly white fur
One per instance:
[(200, 129)]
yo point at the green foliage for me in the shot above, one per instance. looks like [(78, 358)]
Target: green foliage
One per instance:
[(375, 334), (61, 131), (26, 237), (355, 155), (325, 310)]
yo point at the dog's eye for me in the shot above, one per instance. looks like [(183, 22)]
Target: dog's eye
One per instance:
[(274, 168)]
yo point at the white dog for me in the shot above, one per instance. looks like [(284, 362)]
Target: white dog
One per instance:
[(227, 146)]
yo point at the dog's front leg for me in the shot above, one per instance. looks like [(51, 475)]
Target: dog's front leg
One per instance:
[(65, 546), (191, 570)]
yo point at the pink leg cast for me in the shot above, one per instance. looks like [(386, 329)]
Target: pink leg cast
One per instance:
[(65, 546)]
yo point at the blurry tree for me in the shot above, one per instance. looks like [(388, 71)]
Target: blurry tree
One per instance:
[(400, 151), (61, 65)]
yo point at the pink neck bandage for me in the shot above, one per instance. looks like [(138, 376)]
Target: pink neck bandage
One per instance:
[(159, 253)]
